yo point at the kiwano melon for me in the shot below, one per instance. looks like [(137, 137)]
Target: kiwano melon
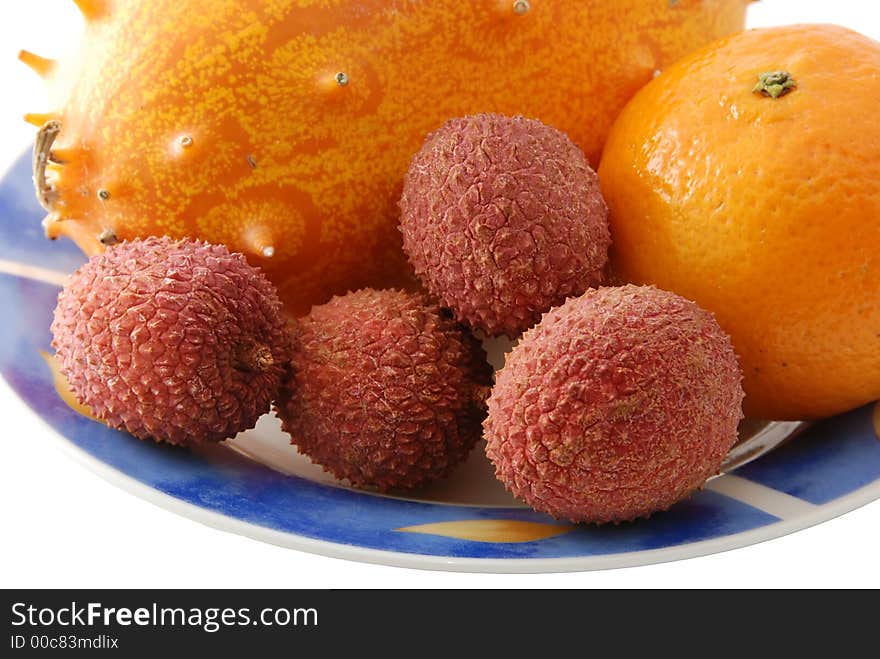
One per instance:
[(284, 128)]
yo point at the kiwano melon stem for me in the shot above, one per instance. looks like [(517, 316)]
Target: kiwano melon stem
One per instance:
[(42, 154)]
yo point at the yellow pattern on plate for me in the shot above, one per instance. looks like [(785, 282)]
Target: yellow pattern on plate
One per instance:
[(491, 530)]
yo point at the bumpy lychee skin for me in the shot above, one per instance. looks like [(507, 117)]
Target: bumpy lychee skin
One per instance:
[(618, 404), (384, 389), (178, 341), (502, 219)]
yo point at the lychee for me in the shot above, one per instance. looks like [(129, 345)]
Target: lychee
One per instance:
[(502, 219), (178, 341), (618, 404), (385, 389)]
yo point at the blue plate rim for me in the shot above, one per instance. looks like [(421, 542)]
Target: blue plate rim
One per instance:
[(821, 513)]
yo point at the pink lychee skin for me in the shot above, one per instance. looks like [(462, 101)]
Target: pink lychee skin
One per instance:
[(618, 404), (177, 341), (502, 218), (384, 390)]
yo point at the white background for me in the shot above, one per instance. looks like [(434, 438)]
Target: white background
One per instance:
[(62, 526)]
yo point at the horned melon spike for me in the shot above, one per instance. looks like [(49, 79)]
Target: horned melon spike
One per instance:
[(40, 119), (93, 10), (508, 8), (259, 242), (521, 7), (40, 65)]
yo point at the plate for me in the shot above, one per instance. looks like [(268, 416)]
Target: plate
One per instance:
[(259, 486)]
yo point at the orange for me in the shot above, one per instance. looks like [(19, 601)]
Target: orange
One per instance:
[(284, 129), (762, 204)]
